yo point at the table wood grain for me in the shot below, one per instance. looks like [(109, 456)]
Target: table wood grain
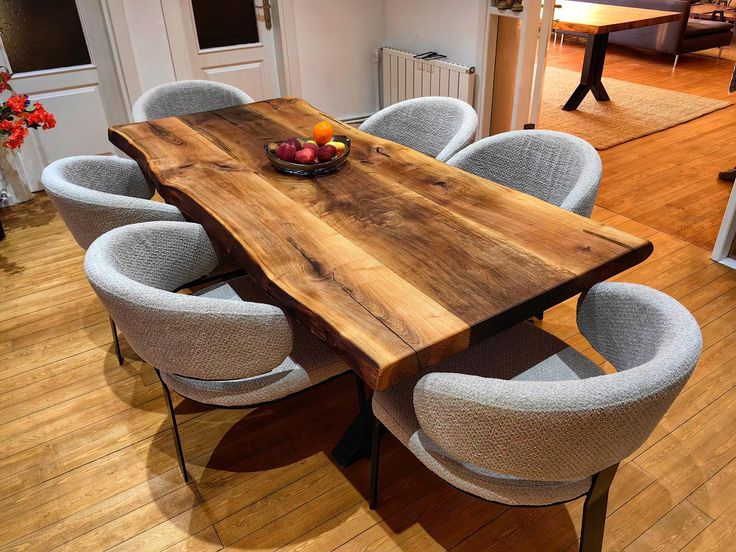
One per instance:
[(397, 260), (584, 17)]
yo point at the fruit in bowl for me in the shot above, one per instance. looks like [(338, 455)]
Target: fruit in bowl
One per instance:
[(286, 151), (311, 145), (322, 133), (305, 156), (326, 153), (318, 154)]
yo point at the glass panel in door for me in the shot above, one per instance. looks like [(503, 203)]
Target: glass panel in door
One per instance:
[(42, 34), (225, 23)]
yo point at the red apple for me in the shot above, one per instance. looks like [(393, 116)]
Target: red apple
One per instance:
[(286, 152), (310, 145), (326, 153), (294, 142), (305, 156)]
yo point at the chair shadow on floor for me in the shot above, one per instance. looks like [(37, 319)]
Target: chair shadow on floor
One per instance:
[(240, 460), (259, 473), (252, 452), (417, 510)]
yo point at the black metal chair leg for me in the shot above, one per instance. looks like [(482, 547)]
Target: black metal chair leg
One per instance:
[(376, 435), (116, 341), (174, 427), (594, 511)]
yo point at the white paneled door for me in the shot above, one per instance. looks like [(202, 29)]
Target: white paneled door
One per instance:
[(229, 41), (61, 56)]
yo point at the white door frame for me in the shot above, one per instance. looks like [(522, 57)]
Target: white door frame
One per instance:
[(100, 41), (287, 55), (137, 28), (31, 160), (727, 234)]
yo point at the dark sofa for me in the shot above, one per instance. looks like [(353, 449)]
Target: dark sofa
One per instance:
[(681, 37)]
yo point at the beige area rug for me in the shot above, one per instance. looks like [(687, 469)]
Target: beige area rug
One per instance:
[(634, 111), (728, 53)]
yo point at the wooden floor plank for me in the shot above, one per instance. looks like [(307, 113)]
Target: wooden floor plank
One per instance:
[(718, 536), (717, 494), (87, 458), (673, 531)]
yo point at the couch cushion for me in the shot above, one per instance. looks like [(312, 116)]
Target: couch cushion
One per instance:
[(700, 27)]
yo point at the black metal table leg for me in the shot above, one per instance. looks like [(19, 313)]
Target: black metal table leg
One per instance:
[(355, 444), (590, 78)]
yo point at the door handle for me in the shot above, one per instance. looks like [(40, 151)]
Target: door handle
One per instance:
[(266, 7)]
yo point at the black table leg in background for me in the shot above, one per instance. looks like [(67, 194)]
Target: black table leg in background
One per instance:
[(590, 79)]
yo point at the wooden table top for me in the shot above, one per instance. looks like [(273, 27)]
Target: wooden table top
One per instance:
[(584, 17), (397, 260)]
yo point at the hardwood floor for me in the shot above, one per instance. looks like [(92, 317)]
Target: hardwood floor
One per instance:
[(668, 180), (87, 460)]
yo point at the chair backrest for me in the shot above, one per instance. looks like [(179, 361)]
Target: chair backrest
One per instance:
[(185, 97), (559, 168), (94, 194), (134, 270), (565, 430), (437, 126)]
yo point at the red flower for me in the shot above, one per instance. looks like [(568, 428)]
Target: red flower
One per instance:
[(17, 103), (40, 117), (49, 121), (17, 135), (16, 117), (4, 78)]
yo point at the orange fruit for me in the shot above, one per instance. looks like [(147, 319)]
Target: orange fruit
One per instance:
[(322, 133)]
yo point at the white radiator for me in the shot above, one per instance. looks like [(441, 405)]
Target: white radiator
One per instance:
[(404, 77)]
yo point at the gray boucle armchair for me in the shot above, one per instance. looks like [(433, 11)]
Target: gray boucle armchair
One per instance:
[(212, 347), (437, 126), (523, 419), (185, 97), (559, 168), (95, 193)]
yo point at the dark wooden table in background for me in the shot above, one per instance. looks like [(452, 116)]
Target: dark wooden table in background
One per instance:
[(397, 260), (598, 21)]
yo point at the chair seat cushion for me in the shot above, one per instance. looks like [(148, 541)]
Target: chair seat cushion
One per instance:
[(310, 362), (700, 27), (523, 352)]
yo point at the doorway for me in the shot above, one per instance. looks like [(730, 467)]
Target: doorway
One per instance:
[(60, 55), (228, 41)]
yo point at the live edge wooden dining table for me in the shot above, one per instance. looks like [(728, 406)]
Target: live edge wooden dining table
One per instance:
[(396, 260)]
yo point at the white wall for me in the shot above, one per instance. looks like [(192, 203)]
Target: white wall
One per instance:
[(447, 27), (336, 41), (142, 45)]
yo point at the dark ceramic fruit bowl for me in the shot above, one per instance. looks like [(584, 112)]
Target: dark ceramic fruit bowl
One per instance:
[(289, 167)]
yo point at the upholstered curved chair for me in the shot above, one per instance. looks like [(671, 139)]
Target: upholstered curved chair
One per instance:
[(95, 193), (523, 419), (185, 97), (212, 346), (437, 126), (559, 168)]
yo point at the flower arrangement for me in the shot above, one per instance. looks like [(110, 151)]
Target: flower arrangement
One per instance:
[(17, 115)]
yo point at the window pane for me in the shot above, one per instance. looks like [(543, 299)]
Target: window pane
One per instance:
[(225, 22), (42, 34)]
